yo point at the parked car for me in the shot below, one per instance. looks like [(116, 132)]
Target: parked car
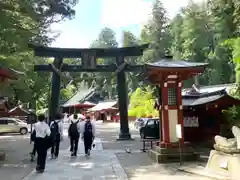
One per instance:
[(13, 125), (150, 129)]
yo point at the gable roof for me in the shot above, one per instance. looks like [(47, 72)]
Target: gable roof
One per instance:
[(80, 97), (9, 73), (210, 89), (20, 108), (169, 63), (208, 94), (104, 105)]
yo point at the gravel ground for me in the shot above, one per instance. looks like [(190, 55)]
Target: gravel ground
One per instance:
[(137, 165), (17, 164), (109, 135), (140, 166)]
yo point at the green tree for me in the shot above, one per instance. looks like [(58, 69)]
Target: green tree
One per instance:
[(105, 82), (23, 22), (129, 39), (177, 40), (195, 36), (224, 27), (142, 103), (157, 33)]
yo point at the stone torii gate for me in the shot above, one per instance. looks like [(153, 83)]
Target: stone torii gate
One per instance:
[(88, 64)]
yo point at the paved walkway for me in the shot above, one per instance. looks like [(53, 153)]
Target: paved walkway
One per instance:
[(102, 165)]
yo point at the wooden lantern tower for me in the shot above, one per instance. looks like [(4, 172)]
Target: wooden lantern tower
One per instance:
[(168, 75)]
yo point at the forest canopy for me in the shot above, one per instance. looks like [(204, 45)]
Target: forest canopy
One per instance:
[(202, 32)]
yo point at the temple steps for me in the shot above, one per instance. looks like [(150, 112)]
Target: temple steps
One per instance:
[(167, 155)]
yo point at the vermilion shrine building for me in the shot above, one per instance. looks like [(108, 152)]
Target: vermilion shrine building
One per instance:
[(81, 101), (5, 107), (197, 111), (203, 111), (168, 75), (105, 110), (5, 75)]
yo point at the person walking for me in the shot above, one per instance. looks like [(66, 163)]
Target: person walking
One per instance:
[(42, 132), (74, 134), (88, 134), (56, 127)]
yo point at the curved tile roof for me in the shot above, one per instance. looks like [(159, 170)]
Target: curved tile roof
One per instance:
[(169, 63)]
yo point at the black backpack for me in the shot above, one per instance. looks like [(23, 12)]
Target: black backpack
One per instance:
[(88, 128), (55, 130), (73, 130), (33, 135)]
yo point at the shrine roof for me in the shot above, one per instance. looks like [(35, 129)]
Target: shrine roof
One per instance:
[(82, 96), (9, 72), (21, 109), (169, 63), (202, 100), (210, 89), (105, 105), (209, 94)]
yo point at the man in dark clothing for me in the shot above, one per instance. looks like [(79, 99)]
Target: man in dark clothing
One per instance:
[(56, 127), (42, 132), (74, 134), (88, 135)]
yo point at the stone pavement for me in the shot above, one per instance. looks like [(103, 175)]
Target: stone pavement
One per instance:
[(102, 165)]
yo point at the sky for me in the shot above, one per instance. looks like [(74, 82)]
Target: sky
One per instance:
[(93, 15)]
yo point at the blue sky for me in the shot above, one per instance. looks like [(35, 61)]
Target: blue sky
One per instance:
[(93, 15)]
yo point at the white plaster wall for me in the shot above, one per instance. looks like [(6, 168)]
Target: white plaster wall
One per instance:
[(173, 121)]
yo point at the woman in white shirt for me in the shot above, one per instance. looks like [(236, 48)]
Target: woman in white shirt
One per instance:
[(42, 132)]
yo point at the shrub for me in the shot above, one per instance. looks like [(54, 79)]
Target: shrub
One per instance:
[(142, 103)]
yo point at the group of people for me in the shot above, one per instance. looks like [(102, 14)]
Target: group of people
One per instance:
[(46, 137)]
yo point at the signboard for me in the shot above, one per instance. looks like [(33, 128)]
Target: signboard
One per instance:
[(108, 118), (179, 131), (89, 60), (191, 121)]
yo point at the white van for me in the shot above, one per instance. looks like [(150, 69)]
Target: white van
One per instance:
[(13, 125)]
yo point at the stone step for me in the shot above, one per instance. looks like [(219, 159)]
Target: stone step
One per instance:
[(199, 170), (173, 150), (172, 157), (203, 158)]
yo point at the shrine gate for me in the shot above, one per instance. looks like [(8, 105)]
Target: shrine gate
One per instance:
[(88, 64)]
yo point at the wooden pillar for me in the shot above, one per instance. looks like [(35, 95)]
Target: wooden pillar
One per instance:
[(164, 111), (159, 96), (171, 113), (180, 108), (55, 92), (122, 102)]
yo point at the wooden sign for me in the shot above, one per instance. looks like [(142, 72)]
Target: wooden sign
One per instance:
[(191, 121), (89, 60)]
